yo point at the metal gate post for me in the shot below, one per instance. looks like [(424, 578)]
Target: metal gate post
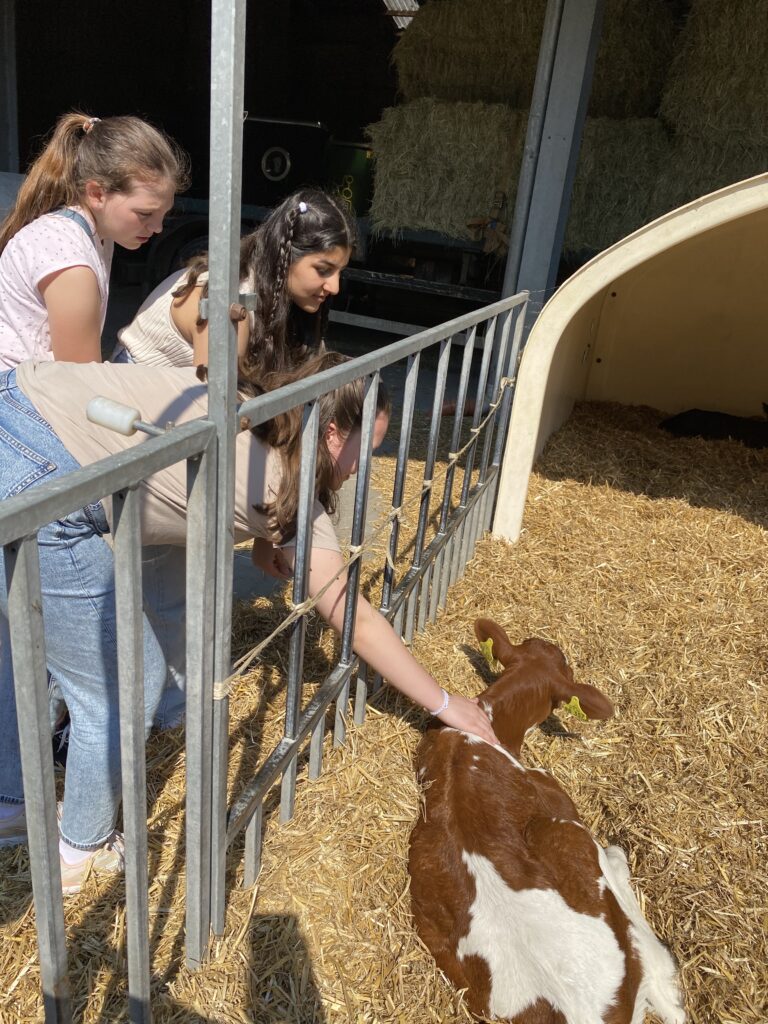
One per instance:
[(566, 107), (25, 609), (532, 145), (227, 63)]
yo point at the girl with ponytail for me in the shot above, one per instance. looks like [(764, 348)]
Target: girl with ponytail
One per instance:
[(292, 262), (95, 183)]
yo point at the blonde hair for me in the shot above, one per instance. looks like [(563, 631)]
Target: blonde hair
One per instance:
[(116, 152)]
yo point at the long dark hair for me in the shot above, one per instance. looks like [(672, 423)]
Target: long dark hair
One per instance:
[(116, 152), (282, 335), (344, 407)]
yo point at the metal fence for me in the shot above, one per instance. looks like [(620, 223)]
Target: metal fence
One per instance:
[(20, 518), (489, 344), (489, 341)]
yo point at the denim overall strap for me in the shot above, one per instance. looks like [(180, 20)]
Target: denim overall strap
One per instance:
[(78, 218)]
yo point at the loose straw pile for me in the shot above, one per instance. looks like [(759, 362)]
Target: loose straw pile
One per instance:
[(644, 557)]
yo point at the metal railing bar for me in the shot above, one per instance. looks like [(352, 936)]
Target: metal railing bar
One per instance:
[(412, 578), (499, 368), (485, 363), (309, 440), (361, 693), (432, 443), (437, 582), (252, 854), (285, 751), (38, 506), (359, 515), (357, 539), (130, 678), (25, 615), (509, 393), (401, 469), (424, 597), (201, 482), (316, 750), (466, 364), (228, 32), (266, 406)]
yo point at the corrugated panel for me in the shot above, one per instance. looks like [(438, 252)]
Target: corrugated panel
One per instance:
[(408, 6)]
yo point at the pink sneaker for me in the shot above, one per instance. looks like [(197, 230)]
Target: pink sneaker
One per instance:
[(107, 860)]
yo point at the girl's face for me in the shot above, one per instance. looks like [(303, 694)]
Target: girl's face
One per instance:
[(315, 277), (130, 218), (345, 451)]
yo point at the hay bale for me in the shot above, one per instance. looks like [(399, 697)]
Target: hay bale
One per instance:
[(717, 78), (615, 186), (487, 50), (438, 165), (700, 165)]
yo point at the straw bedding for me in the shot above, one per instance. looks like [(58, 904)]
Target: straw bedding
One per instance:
[(644, 558)]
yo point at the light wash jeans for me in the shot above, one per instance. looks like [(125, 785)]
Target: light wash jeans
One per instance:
[(77, 578), (164, 574)]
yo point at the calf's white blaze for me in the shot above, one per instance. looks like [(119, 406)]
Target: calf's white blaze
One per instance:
[(537, 947)]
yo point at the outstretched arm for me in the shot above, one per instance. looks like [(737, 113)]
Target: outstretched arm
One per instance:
[(376, 642)]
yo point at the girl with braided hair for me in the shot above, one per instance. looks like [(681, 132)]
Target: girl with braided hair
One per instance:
[(95, 183), (292, 262)]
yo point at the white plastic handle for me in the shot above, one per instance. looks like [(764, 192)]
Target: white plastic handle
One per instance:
[(113, 415)]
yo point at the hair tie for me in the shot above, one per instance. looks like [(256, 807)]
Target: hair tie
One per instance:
[(302, 207), (88, 125)]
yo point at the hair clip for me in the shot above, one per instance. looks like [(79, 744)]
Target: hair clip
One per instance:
[(302, 207), (88, 125)]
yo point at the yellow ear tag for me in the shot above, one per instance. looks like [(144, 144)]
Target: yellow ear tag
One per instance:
[(575, 708), (486, 646)]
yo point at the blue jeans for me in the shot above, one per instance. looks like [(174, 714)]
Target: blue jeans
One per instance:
[(80, 628)]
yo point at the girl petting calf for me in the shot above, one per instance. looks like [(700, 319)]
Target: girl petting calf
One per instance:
[(44, 433)]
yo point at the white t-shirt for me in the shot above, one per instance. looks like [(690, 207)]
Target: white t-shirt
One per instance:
[(48, 244)]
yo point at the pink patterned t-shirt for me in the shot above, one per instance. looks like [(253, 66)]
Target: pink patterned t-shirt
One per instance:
[(48, 244)]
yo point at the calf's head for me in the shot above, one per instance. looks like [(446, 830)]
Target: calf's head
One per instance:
[(535, 680)]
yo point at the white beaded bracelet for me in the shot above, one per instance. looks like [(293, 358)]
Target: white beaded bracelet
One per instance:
[(444, 705)]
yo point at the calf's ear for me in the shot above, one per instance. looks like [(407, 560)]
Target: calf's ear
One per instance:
[(501, 649), (586, 701)]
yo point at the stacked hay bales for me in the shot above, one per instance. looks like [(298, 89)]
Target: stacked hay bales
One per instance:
[(715, 100), (440, 164), (487, 50), (615, 184), (440, 158)]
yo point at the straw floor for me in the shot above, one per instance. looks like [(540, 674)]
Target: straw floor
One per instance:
[(644, 557)]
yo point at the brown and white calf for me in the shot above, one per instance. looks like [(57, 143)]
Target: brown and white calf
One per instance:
[(516, 901)]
